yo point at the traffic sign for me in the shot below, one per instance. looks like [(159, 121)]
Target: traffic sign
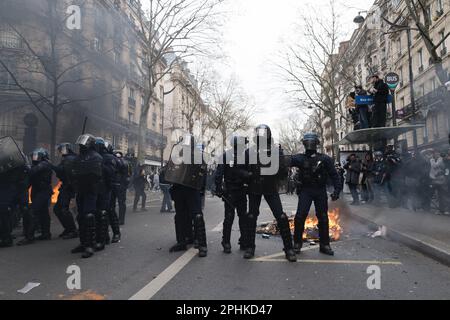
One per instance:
[(392, 80)]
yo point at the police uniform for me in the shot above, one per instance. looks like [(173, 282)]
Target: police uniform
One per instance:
[(314, 171), (233, 176), (88, 176), (267, 186), (66, 192), (119, 192), (188, 180), (41, 192)]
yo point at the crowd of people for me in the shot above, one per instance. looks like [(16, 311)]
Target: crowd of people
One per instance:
[(414, 181), (369, 115)]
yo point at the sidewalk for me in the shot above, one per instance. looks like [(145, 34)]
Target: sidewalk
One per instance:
[(425, 232)]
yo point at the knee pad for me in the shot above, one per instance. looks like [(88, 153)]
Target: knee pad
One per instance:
[(284, 217), (90, 219)]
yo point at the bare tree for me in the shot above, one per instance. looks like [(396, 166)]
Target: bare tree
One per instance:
[(169, 27), (229, 109), (313, 68), (291, 135), (418, 13), (55, 63)]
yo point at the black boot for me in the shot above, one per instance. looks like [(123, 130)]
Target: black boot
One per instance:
[(200, 232), (179, 247), (298, 248), (326, 249), (298, 234), (285, 231), (226, 247), (82, 235), (115, 226), (101, 230), (71, 235), (249, 253), (227, 228), (90, 237)]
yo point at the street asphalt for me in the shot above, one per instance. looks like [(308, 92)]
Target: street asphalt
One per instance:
[(141, 267)]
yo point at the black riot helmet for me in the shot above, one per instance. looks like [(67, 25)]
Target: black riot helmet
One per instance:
[(86, 141), (39, 154), (311, 141), (263, 133), (65, 148)]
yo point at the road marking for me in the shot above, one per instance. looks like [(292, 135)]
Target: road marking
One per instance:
[(219, 228), (164, 277), (375, 262), (276, 255)]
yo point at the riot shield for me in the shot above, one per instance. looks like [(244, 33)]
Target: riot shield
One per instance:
[(188, 175), (11, 156)]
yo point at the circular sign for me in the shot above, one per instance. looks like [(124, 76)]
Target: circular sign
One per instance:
[(392, 80)]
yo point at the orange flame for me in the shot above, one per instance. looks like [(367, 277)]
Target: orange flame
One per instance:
[(55, 193), (311, 224)]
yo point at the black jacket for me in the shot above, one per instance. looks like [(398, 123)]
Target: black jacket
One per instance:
[(41, 176), (235, 175), (316, 170), (381, 96)]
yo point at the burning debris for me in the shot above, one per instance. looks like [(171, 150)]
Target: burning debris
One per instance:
[(311, 230), (55, 194)]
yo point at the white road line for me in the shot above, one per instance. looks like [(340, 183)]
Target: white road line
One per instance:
[(164, 277), (375, 262), (219, 228)]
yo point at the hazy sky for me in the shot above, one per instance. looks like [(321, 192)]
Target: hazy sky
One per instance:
[(253, 40)]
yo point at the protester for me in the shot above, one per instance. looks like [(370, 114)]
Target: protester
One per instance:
[(438, 179), (380, 92), (353, 167), (366, 183), (362, 109)]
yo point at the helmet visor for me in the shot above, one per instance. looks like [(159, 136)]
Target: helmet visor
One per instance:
[(83, 140), (35, 156)]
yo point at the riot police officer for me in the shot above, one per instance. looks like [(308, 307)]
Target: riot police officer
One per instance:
[(88, 174), (188, 181), (13, 173), (264, 183), (104, 212), (119, 193), (314, 170), (41, 191), (231, 179), (66, 191)]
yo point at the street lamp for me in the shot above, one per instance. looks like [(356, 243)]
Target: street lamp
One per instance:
[(359, 19)]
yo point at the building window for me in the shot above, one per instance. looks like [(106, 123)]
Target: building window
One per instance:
[(154, 119), (130, 117), (440, 7), (420, 55), (131, 93), (443, 47), (425, 134), (434, 120), (97, 44), (9, 38)]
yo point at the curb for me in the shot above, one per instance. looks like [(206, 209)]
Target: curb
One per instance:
[(416, 244)]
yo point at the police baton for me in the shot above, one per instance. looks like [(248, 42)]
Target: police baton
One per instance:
[(225, 199)]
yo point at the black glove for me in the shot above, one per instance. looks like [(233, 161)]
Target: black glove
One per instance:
[(335, 196)]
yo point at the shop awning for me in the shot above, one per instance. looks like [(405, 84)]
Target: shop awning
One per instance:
[(369, 136)]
